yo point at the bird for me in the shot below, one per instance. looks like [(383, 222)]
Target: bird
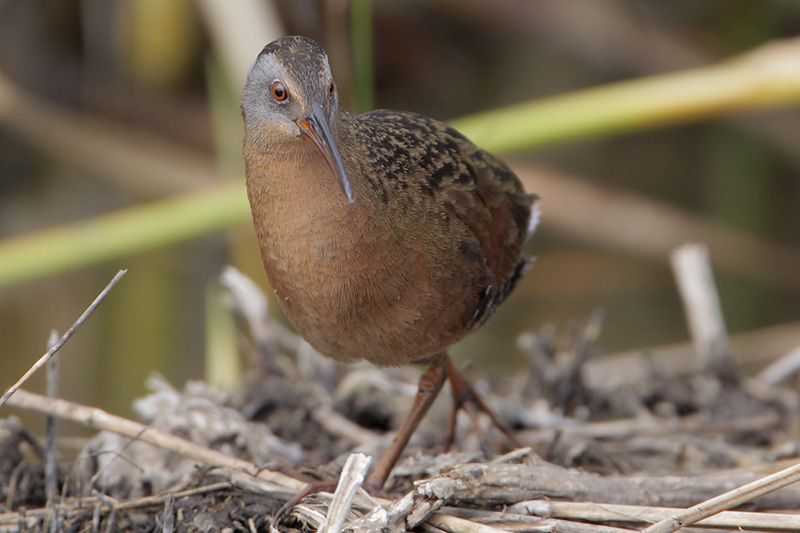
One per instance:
[(387, 236)]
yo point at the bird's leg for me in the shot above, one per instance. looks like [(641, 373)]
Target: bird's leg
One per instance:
[(429, 386), (465, 397)]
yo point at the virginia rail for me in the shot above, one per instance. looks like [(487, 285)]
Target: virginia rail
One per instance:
[(387, 236)]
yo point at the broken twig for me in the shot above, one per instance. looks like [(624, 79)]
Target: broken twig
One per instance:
[(700, 299), (638, 514), (729, 500), (353, 473), (51, 429), (64, 338)]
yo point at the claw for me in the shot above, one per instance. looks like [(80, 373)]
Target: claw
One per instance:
[(312, 488)]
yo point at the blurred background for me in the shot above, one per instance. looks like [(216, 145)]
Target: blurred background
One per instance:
[(108, 105)]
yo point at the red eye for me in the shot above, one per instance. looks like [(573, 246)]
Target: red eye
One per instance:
[(279, 92), (331, 89)]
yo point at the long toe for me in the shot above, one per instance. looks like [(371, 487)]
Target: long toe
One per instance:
[(465, 398), (314, 487)]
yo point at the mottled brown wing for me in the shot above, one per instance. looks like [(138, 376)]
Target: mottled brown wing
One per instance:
[(468, 183), (505, 212)]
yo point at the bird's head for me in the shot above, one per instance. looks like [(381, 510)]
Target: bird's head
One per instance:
[(290, 94)]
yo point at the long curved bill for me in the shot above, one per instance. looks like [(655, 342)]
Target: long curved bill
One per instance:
[(316, 131)]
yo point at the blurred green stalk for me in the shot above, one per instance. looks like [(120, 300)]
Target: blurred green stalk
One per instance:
[(223, 368), (125, 232), (767, 77), (361, 32)]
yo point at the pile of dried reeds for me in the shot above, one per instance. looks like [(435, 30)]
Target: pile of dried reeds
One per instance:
[(651, 441)]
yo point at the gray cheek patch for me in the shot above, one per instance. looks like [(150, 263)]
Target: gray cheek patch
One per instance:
[(263, 72)]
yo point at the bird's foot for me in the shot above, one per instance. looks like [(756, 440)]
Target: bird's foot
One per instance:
[(311, 488), (465, 398)]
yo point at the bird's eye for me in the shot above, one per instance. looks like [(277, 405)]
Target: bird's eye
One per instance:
[(279, 92), (331, 89)]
